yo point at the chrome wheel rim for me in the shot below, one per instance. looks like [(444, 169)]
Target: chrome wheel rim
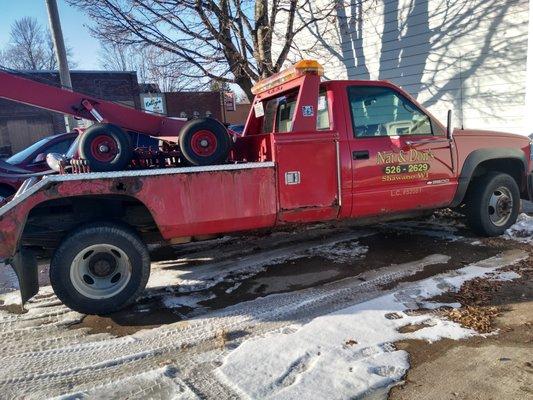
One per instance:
[(100, 271), (500, 206)]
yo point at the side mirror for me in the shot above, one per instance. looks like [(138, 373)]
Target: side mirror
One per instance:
[(40, 158), (449, 128)]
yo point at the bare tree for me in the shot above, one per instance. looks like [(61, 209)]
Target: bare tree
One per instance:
[(232, 41), (152, 65), (30, 47)]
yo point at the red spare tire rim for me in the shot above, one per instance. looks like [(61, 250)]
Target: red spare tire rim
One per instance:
[(104, 148), (204, 143)]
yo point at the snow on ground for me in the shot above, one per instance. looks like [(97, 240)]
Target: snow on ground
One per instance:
[(350, 352), (167, 384), (187, 286), (522, 231), (8, 279), (338, 252), (339, 247), (505, 276)]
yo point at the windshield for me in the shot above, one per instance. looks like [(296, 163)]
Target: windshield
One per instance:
[(19, 157)]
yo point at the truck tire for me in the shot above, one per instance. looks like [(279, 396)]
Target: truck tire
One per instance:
[(106, 147), (204, 141), (492, 204), (100, 268)]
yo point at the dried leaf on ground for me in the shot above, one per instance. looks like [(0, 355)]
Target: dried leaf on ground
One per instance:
[(474, 317)]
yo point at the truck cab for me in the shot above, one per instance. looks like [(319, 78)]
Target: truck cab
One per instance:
[(364, 149)]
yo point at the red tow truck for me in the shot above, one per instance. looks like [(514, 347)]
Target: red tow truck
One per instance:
[(311, 151)]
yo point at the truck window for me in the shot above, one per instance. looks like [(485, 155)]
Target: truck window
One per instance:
[(284, 115), (322, 115), (381, 111), (279, 113)]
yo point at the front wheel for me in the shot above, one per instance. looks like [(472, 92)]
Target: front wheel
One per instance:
[(100, 268), (493, 204)]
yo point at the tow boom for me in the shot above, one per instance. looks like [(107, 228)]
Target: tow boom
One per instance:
[(22, 90)]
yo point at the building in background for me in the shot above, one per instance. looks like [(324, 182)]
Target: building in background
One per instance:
[(22, 125), (189, 105), (239, 114), (469, 56), (194, 105)]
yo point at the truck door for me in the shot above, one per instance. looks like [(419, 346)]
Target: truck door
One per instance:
[(307, 162), (401, 158)]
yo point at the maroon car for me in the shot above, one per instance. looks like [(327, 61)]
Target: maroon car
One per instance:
[(30, 160)]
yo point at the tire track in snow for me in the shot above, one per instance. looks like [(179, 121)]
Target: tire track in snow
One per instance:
[(44, 372), (52, 359)]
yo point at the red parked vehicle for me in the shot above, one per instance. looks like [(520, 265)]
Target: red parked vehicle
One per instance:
[(311, 151), (15, 170)]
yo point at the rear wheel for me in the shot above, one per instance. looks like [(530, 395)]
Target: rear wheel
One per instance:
[(204, 141), (100, 268), (106, 147), (493, 204)]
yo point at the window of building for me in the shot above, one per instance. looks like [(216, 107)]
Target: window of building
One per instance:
[(381, 111)]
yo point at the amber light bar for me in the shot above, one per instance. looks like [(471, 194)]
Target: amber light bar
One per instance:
[(303, 67)]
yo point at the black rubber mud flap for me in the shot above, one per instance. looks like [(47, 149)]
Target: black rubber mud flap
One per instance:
[(25, 265)]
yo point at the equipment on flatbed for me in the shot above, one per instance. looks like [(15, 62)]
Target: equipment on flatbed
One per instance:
[(106, 146)]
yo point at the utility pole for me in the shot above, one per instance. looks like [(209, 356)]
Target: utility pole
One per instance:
[(61, 54)]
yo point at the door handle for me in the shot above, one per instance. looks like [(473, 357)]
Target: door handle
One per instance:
[(360, 155)]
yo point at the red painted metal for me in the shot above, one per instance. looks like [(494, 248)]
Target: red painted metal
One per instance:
[(313, 158), (181, 204), (104, 148), (204, 143)]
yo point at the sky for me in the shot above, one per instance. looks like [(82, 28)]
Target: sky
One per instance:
[(73, 22)]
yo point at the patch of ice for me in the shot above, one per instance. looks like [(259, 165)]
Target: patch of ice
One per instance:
[(233, 288), (522, 230), (338, 248), (190, 300), (341, 252), (161, 383), (312, 362), (8, 279), (506, 276), (10, 297), (433, 305)]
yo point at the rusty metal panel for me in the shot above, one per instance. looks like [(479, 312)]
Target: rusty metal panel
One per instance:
[(307, 176), (212, 202), (183, 202)]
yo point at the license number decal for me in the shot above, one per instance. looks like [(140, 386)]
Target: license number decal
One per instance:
[(405, 168)]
